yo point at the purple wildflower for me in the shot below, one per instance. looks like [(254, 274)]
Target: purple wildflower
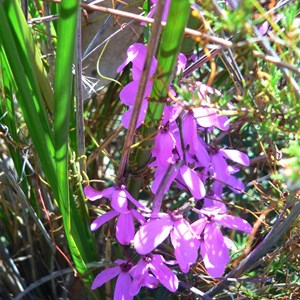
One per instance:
[(213, 246), (119, 197), (152, 233), (222, 172), (136, 54), (125, 228), (157, 265), (186, 177), (123, 281)]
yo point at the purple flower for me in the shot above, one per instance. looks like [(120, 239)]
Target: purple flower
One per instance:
[(213, 246), (185, 176), (119, 197), (152, 233), (222, 172), (136, 54), (157, 265), (125, 228), (165, 143), (123, 281), (207, 117)]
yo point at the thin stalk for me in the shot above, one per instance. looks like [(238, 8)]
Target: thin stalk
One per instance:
[(167, 59), (79, 99), (151, 50)]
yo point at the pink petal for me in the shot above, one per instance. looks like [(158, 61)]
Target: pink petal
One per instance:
[(214, 204), (159, 176), (165, 143), (122, 287), (264, 27), (214, 251), (141, 219), (152, 234), (136, 203), (105, 276), (201, 154), (235, 184), (189, 128), (233, 223), (185, 244), (229, 244), (146, 279), (97, 223), (193, 181), (150, 281), (198, 226), (140, 268), (207, 117), (127, 115), (163, 273), (125, 228), (134, 51), (236, 156), (128, 93), (119, 201), (93, 194), (181, 63), (220, 167)]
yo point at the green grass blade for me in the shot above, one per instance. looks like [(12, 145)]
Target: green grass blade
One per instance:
[(17, 43), (78, 236)]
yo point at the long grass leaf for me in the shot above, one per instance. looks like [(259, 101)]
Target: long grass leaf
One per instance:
[(79, 238), (17, 44)]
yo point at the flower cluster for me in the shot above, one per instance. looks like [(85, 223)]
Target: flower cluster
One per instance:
[(197, 168)]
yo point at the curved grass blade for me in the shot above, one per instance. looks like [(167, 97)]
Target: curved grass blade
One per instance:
[(22, 58)]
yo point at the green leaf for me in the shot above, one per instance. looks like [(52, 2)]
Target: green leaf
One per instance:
[(79, 238), (24, 63)]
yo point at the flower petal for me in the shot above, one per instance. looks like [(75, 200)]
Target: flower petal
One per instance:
[(164, 145), (122, 287), (236, 156), (105, 276), (163, 273), (125, 228), (93, 194), (185, 244), (233, 222), (97, 223), (119, 201), (189, 130), (193, 181), (134, 53), (128, 93), (159, 176), (141, 219), (214, 251), (136, 203), (152, 234), (198, 226), (229, 244), (127, 115)]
